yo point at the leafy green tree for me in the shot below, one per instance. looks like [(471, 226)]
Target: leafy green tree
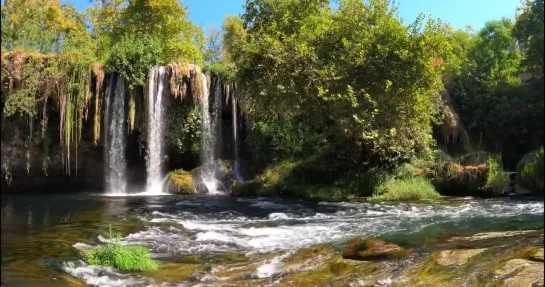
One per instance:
[(164, 21), (529, 32), (354, 77)]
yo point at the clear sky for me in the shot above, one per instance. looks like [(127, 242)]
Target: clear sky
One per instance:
[(458, 12)]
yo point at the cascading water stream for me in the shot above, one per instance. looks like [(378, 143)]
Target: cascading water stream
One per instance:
[(115, 137), (207, 147), (209, 128), (236, 163), (157, 81)]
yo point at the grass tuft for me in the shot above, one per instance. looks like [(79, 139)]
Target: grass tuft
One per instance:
[(413, 188), (121, 257)]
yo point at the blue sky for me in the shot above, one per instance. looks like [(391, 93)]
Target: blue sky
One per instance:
[(458, 12)]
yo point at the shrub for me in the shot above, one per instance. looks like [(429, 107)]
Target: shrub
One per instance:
[(414, 188), (496, 180), (121, 257), (452, 177), (530, 171)]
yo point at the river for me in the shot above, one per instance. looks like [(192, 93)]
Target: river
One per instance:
[(41, 233)]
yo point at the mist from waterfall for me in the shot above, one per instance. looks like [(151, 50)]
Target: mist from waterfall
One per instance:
[(157, 82), (115, 137)]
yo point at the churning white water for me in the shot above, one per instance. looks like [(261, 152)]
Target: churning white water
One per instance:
[(266, 225), (157, 82), (218, 224), (115, 137)]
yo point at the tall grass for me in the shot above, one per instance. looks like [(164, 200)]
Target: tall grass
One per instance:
[(496, 180), (411, 188), (121, 257)]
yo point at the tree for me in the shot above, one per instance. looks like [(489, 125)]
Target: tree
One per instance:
[(313, 78), (35, 25), (529, 32), (164, 21), (214, 51)]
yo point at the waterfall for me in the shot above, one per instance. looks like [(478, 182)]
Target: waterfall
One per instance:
[(236, 163), (217, 124), (209, 128), (114, 137), (157, 82), (207, 143)]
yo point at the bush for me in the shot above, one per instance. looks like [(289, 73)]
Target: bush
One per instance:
[(530, 171), (454, 178), (414, 188), (496, 180), (123, 258)]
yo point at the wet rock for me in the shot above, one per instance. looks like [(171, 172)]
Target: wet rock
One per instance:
[(537, 255), (198, 276), (249, 276), (176, 272), (456, 257), (522, 273), (278, 276), (316, 255), (372, 249), (491, 235)]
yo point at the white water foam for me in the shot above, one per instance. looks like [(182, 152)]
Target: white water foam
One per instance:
[(293, 226)]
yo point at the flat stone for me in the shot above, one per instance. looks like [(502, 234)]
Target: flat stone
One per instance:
[(490, 235), (456, 257), (537, 255), (527, 273)]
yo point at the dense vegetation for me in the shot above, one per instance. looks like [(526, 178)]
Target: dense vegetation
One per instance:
[(347, 92)]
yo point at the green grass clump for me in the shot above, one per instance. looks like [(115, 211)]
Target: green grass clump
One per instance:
[(121, 257), (413, 188), (496, 181)]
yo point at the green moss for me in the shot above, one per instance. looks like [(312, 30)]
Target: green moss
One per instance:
[(304, 254), (530, 171), (308, 278), (413, 188), (181, 182), (176, 272), (121, 257)]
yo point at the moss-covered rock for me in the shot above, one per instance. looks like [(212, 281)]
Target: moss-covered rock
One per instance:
[(176, 272), (315, 253), (456, 257), (181, 182), (537, 255), (372, 249), (522, 273)]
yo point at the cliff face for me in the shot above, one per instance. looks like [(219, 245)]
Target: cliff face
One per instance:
[(30, 165)]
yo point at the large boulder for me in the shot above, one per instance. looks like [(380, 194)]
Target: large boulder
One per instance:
[(181, 182)]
